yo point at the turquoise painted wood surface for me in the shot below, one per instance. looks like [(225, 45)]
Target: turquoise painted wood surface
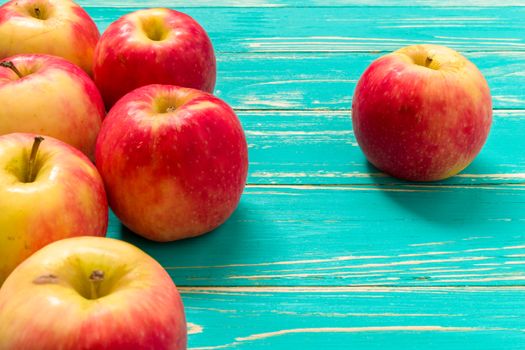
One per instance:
[(324, 250)]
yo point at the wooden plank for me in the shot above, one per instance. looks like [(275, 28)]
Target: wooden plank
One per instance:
[(323, 80), (349, 29), (319, 147), (355, 318), (356, 235), (293, 3)]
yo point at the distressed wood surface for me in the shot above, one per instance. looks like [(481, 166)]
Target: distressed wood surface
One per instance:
[(355, 318), (357, 235), (319, 147), (294, 3), (327, 80), (350, 29), (324, 251)]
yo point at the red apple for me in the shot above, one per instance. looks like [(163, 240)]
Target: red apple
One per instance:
[(153, 46), (421, 113), (174, 161), (48, 95), (91, 293), (55, 27), (48, 191)]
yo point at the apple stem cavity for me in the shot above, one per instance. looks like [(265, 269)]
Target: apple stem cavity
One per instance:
[(31, 175), (95, 279), (10, 65)]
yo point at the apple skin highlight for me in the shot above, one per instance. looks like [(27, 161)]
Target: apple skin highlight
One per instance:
[(172, 175), (139, 306), (419, 123), (126, 58), (67, 199)]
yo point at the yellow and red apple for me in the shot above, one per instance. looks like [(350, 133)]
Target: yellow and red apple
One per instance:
[(48, 191), (54, 27), (48, 95), (174, 161), (91, 293), (153, 46), (421, 113)]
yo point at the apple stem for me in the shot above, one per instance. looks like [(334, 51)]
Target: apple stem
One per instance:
[(10, 65), (32, 159), (428, 61), (171, 109), (96, 278), (37, 12)]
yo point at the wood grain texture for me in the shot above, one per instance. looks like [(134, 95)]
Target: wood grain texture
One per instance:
[(293, 3), (324, 251), (351, 29), (286, 81), (356, 318), (319, 147), (356, 235)]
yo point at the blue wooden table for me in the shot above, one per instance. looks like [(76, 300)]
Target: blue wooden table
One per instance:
[(324, 251)]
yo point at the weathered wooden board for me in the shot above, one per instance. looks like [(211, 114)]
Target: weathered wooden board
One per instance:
[(357, 235), (327, 80), (355, 318), (294, 3), (319, 147), (324, 251), (349, 29)]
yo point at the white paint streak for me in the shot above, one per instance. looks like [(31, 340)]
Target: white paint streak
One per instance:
[(289, 262), (318, 174), (302, 81), (493, 176), (299, 133), (194, 328), (430, 243), (338, 188), (356, 330), (424, 254), (488, 279), (363, 266), (476, 238), (362, 314), (345, 289)]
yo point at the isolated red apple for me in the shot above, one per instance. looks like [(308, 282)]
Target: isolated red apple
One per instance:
[(174, 161), (48, 191), (91, 293), (153, 46), (421, 113), (48, 95), (55, 27)]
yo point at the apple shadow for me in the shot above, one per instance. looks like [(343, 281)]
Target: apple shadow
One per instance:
[(449, 202), (182, 258)]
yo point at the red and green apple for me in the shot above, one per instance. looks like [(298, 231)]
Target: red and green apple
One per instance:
[(153, 46), (48, 191), (421, 113), (48, 95), (91, 293), (54, 27), (174, 161)]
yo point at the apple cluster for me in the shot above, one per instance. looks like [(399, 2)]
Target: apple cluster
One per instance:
[(169, 158)]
